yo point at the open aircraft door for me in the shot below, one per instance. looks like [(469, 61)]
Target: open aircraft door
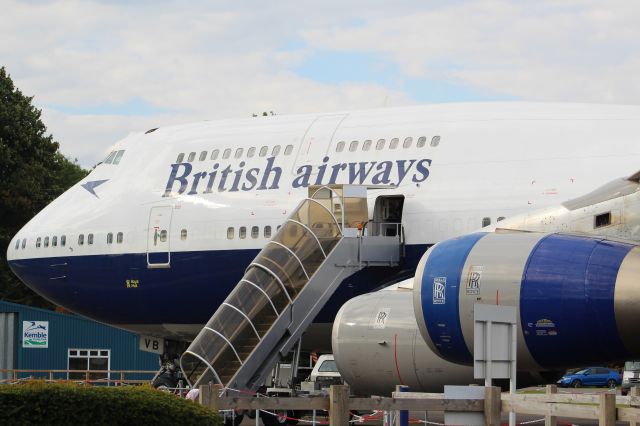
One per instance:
[(159, 237), (317, 141)]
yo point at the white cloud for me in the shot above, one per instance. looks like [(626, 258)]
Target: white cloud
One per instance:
[(203, 60)]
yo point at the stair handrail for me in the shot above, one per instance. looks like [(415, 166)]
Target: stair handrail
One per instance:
[(339, 199)]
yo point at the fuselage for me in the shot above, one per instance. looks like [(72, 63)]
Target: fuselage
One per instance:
[(156, 242)]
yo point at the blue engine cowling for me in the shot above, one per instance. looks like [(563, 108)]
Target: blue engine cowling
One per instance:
[(578, 298)]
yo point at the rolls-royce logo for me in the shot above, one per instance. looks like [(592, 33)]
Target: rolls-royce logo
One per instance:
[(439, 284)]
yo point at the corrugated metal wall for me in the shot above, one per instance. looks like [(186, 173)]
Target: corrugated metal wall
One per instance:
[(73, 332), (8, 325)]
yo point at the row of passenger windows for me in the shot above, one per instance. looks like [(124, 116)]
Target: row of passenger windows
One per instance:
[(63, 240), (114, 157), (393, 144), (251, 152), (255, 232)]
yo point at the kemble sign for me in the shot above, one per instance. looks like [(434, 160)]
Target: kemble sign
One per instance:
[(35, 334)]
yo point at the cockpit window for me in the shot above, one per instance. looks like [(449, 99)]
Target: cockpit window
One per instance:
[(110, 157), (118, 157)]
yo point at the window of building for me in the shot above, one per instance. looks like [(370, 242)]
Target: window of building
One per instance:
[(46, 241), (24, 243), (251, 152), (230, 233), (255, 232), (163, 235), (288, 150), (183, 234), (263, 151), (180, 158), (435, 141), (486, 221), (54, 241), (214, 154), (110, 157), (203, 156), (119, 237), (238, 153), (380, 144), (80, 239), (366, 145), (276, 150), (422, 141), (267, 231), (63, 240), (110, 238), (89, 360), (90, 239), (353, 146), (243, 232), (38, 242), (118, 157), (394, 143), (407, 142), (191, 157), (340, 146), (226, 154)]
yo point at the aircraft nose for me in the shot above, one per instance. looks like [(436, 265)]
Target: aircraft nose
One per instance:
[(627, 300)]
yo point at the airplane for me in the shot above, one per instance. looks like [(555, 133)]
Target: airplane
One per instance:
[(160, 232)]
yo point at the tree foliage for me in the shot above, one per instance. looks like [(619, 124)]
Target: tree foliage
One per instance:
[(32, 173)]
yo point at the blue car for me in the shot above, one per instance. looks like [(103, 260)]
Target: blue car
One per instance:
[(592, 376)]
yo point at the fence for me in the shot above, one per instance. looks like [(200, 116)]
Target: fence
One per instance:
[(108, 377), (551, 405)]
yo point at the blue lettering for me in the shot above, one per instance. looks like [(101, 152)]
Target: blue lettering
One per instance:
[(174, 177)]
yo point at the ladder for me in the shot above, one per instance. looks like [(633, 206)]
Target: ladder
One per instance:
[(286, 285)]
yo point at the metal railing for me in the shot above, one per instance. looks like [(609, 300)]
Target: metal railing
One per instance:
[(94, 377)]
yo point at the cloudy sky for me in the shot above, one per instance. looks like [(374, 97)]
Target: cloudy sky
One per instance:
[(102, 69)]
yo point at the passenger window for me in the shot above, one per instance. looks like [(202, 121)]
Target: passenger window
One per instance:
[(251, 152), (288, 150), (353, 146), (230, 232), (24, 243), (183, 234), (267, 231), (38, 242), (366, 145), (17, 244), (407, 142), (276, 150), (243, 232), (214, 154), (422, 141), (340, 146), (63, 240), (54, 241), (255, 232), (380, 144), (180, 158), (110, 238), (486, 221), (46, 241), (239, 153), (163, 235), (90, 239), (109, 159), (118, 157), (191, 157), (435, 141), (500, 219), (80, 239), (226, 154), (119, 237), (263, 151), (394, 143), (203, 156)]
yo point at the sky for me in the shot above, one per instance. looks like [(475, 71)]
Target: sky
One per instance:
[(100, 70)]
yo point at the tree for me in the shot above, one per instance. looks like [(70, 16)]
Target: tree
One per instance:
[(32, 173)]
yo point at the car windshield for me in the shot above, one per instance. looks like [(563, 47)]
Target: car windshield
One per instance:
[(632, 365), (328, 366)]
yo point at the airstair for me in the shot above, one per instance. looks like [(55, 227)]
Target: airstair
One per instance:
[(287, 284)]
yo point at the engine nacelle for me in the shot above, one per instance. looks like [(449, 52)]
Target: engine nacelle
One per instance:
[(578, 298)]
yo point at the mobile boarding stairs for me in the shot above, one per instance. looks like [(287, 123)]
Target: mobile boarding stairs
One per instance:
[(325, 240)]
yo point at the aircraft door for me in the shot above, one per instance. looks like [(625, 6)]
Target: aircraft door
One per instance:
[(159, 237), (387, 215), (316, 141)]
